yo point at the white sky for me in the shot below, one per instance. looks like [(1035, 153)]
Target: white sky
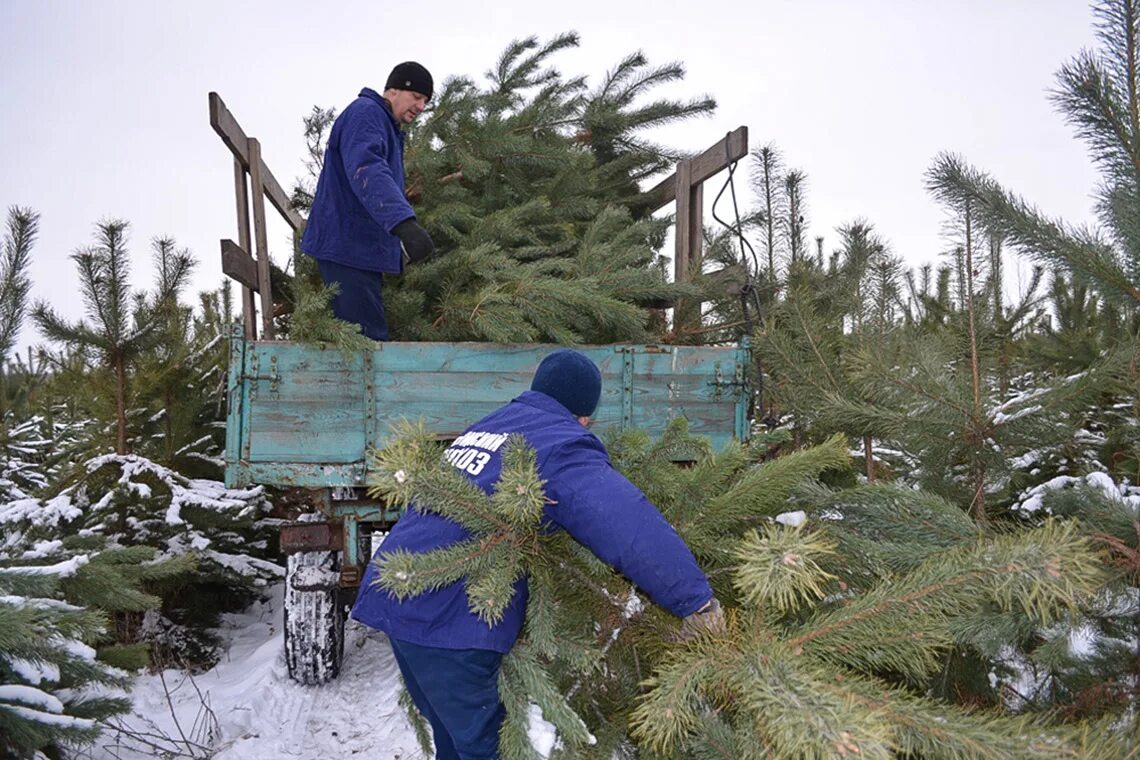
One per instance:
[(103, 111)]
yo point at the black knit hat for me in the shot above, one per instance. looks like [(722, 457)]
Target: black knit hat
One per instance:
[(410, 75), (571, 379)]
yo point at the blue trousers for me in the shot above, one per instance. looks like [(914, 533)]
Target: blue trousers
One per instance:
[(359, 300), (457, 690)]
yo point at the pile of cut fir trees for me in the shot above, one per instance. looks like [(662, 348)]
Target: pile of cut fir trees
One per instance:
[(858, 623), (528, 183)]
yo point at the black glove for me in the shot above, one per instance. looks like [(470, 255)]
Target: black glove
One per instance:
[(415, 241)]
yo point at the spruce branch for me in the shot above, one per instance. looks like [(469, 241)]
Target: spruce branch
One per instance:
[(675, 695), (784, 694), (504, 524), (522, 668), (881, 530), (1081, 251), (1039, 574), (312, 320), (779, 567), (925, 728), (765, 489)]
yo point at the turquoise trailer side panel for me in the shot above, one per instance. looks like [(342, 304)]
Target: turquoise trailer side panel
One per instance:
[(302, 415)]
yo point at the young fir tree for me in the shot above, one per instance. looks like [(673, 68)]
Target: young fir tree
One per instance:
[(1099, 93), (928, 379), (48, 664), (21, 439), (63, 598), (928, 303), (794, 223), (15, 258), (111, 339), (44, 432), (164, 367), (178, 388), (1101, 676), (1073, 330), (826, 313), (192, 548), (812, 663), (164, 373), (979, 417), (767, 179), (141, 364), (528, 184)]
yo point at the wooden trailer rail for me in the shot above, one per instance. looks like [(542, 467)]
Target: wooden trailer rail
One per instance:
[(686, 187), (252, 271)]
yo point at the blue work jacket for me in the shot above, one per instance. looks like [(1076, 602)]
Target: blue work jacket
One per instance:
[(360, 193), (591, 500)]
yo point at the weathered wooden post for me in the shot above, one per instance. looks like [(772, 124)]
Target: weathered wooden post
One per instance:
[(686, 187), (237, 262)]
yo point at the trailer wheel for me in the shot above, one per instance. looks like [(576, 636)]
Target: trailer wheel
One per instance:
[(314, 618)]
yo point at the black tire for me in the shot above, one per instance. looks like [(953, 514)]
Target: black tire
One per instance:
[(314, 617)]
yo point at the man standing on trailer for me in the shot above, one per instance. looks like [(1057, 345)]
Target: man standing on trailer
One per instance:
[(361, 225)]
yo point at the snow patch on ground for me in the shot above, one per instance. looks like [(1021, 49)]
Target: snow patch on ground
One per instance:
[(246, 708)]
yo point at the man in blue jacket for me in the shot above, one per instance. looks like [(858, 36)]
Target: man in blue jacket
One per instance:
[(448, 656), (361, 224)]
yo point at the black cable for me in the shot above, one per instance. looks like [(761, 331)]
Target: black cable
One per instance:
[(748, 289), (749, 286)]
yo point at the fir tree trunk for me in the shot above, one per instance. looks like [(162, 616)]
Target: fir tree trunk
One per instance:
[(769, 211), (868, 458), (1003, 334), (169, 401), (120, 404), (1130, 43), (996, 276), (978, 470)]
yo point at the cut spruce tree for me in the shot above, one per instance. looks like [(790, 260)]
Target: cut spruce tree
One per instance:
[(841, 615)]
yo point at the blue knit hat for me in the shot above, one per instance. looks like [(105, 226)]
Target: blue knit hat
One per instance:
[(571, 379)]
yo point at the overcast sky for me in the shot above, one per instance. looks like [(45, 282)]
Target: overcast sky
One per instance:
[(104, 104)]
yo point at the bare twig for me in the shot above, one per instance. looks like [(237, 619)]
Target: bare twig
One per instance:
[(153, 742), (206, 721), (170, 704)]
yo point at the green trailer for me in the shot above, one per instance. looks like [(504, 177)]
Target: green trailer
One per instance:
[(303, 418)]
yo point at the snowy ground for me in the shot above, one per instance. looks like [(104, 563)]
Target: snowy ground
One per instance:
[(246, 708)]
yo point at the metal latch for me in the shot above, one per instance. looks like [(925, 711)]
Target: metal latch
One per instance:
[(719, 382)]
